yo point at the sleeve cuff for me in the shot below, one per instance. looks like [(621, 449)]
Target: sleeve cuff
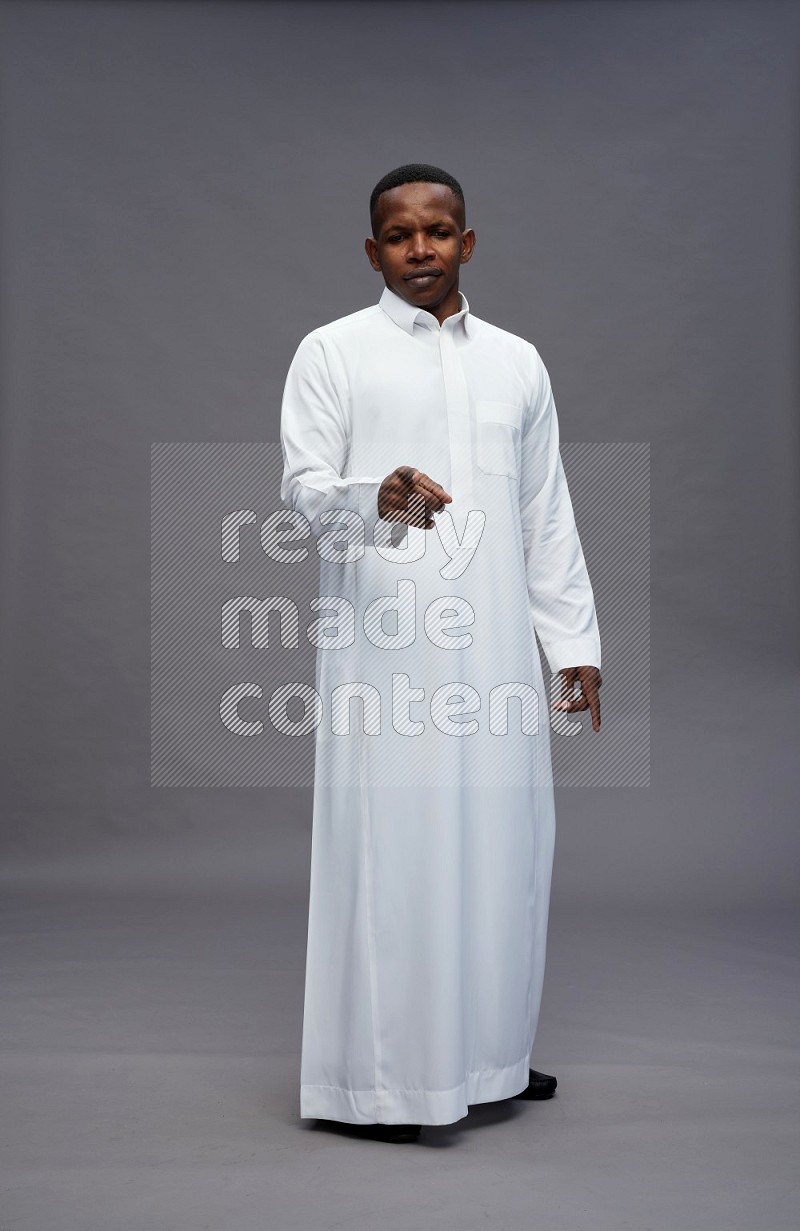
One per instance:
[(576, 652)]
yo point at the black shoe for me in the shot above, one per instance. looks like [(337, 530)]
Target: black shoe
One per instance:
[(540, 1085), (376, 1132)]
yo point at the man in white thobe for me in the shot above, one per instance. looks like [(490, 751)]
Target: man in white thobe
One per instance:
[(421, 459)]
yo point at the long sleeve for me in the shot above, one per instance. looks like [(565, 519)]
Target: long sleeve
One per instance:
[(315, 442), (560, 593)]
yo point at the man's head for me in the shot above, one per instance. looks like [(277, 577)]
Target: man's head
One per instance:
[(419, 240)]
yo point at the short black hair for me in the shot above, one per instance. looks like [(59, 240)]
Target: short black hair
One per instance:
[(413, 173)]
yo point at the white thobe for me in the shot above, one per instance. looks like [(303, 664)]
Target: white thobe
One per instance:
[(433, 820)]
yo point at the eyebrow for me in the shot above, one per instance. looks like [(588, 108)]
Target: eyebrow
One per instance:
[(402, 226)]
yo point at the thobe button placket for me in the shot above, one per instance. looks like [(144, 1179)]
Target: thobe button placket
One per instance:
[(459, 426)]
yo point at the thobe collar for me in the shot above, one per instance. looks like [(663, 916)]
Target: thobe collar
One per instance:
[(406, 315)]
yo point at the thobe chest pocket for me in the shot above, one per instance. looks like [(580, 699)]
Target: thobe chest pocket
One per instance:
[(499, 426)]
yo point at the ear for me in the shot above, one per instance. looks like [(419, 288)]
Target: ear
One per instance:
[(371, 249), (468, 239)]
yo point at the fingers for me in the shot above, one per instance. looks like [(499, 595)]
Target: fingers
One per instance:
[(415, 497), (593, 700), (588, 700), (590, 680), (415, 512), (568, 677), (435, 495)]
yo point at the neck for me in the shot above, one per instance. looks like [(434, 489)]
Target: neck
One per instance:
[(448, 307)]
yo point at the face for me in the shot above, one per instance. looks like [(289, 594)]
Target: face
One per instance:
[(421, 245)]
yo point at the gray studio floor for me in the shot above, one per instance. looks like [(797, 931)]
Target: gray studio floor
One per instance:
[(150, 1067)]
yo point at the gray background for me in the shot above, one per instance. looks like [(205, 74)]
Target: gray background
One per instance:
[(184, 196)]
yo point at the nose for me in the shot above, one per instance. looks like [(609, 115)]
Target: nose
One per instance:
[(421, 247)]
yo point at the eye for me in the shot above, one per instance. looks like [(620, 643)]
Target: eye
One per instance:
[(443, 234), (393, 239)]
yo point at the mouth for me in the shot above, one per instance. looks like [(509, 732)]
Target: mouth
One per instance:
[(423, 277)]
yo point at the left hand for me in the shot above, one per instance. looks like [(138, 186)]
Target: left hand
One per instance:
[(588, 699)]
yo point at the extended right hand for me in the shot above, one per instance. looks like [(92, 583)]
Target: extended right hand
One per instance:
[(409, 495)]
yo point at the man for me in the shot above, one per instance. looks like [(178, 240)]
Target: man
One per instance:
[(420, 451)]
